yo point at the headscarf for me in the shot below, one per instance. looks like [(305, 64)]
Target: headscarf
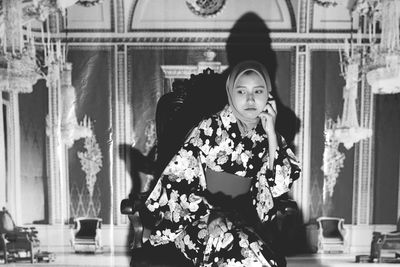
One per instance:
[(245, 124)]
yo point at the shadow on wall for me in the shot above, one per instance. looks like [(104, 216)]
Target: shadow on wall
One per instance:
[(249, 39), (139, 166)]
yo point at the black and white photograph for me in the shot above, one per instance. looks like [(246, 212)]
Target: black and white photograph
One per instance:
[(200, 133)]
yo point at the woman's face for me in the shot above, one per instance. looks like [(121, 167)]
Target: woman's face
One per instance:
[(250, 95)]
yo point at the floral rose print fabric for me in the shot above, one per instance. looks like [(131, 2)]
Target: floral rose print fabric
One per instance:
[(183, 211)]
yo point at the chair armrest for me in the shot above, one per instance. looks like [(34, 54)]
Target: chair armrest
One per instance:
[(127, 206), (17, 236), (285, 205)]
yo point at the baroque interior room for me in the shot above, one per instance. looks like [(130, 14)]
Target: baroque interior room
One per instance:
[(81, 83)]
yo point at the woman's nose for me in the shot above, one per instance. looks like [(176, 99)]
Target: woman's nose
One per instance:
[(250, 97)]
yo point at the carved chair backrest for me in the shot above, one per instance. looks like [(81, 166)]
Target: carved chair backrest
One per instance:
[(6, 222), (86, 227), (179, 111), (331, 227)]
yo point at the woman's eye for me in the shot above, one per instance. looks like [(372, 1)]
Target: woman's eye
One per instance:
[(259, 91), (240, 91)]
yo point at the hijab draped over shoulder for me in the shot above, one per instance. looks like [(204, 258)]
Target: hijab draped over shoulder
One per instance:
[(245, 124)]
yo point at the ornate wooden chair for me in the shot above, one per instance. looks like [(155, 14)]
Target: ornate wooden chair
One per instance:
[(17, 243), (385, 242)]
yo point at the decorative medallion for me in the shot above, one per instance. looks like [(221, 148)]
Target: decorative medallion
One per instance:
[(326, 3), (89, 3), (205, 8)]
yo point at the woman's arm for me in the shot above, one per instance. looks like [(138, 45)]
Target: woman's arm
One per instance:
[(176, 199), (272, 148), (274, 181)]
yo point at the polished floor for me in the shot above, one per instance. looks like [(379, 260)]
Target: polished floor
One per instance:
[(119, 259)]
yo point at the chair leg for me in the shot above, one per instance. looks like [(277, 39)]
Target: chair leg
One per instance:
[(31, 253), (138, 230), (4, 245)]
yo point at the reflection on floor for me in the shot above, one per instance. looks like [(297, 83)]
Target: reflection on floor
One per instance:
[(119, 259)]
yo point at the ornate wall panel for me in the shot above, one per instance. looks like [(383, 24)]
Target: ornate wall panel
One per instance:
[(33, 111), (326, 102), (122, 136), (3, 150), (164, 15), (331, 19), (386, 162), (94, 82), (301, 100), (98, 18), (14, 158)]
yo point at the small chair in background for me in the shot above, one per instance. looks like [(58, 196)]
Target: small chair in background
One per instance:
[(17, 243), (86, 235), (331, 235), (388, 243)]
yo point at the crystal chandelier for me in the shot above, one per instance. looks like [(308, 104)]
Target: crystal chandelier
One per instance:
[(333, 159), (58, 77), (18, 67), (70, 129), (348, 130), (383, 59)]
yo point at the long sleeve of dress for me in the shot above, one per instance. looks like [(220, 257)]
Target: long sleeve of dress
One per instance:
[(176, 199), (276, 182)]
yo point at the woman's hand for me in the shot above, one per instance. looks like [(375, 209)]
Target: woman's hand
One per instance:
[(268, 117)]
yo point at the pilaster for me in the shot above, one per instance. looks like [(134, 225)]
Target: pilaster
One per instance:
[(121, 121), (3, 173), (302, 141), (363, 193), (14, 153), (56, 162)]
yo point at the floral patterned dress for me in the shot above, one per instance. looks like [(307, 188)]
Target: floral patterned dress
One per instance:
[(181, 203)]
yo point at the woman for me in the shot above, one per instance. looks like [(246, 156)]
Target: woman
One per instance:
[(216, 191)]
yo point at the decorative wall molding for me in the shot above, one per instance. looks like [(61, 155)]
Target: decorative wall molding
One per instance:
[(398, 196), (194, 38), (363, 193), (14, 162), (169, 14), (120, 16), (121, 123), (98, 18), (303, 16), (301, 190), (57, 162), (3, 157), (329, 19)]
